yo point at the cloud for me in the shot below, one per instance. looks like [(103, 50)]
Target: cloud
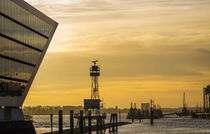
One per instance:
[(204, 51), (162, 43)]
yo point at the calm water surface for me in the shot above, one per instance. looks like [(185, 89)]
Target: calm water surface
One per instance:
[(161, 126)]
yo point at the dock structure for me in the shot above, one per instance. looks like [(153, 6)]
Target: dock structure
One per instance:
[(201, 115), (88, 123), (205, 114), (145, 111), (113, 124), (86, 129), (206, 99)]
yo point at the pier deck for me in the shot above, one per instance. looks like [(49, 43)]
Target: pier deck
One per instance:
[(85, 129)]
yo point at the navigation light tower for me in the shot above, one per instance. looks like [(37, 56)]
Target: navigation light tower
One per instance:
[(94, 74)]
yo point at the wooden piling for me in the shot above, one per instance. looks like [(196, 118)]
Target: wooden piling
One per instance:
[(113, 122), (81, 122), (72, 122), (116, 124), (110, 123), (85, 131), (60, 122), (139, 116), (89, 122), (100, 124), (97, 125), (151, 116), (132, 116), (51, 122), (119, 116)]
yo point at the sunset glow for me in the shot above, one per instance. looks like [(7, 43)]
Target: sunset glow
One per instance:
[(147, 49)]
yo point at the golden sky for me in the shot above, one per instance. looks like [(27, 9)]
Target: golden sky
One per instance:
[(148, 49)]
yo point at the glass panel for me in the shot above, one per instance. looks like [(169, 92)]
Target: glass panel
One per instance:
[(14, 69), (20, 33), (11, 88), (17, 51), (24, 17)]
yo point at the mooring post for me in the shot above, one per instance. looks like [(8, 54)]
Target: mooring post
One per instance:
[(113, 124), (104, 127), (204, 100), (97, 125), (116, 124), (72, 122), (132, 119), (132, 114), (100, 124), (81, 122), (140, 119), (119, 116), (51, 122), (89, 122), (151, 116), (60, 122), (110, 124), (139, 115)]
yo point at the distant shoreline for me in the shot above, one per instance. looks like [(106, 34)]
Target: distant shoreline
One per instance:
[(47, 110)]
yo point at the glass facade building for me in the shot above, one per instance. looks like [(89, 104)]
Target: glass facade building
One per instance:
[(25, 34)]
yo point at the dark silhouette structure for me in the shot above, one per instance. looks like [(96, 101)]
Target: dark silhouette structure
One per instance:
[(206, 99), (185, 111), (25, 34), (94, 102), (205, 114), (147, 111), (89, 123)]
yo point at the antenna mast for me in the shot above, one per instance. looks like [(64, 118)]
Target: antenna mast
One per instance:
[(184, 102)]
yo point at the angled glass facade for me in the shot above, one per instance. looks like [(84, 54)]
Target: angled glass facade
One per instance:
[(23, 36)]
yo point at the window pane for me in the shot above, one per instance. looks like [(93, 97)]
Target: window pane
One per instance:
[(20, 33), (23, 36), (17, 51), (14, 69), (24, 17), (11, 88)]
